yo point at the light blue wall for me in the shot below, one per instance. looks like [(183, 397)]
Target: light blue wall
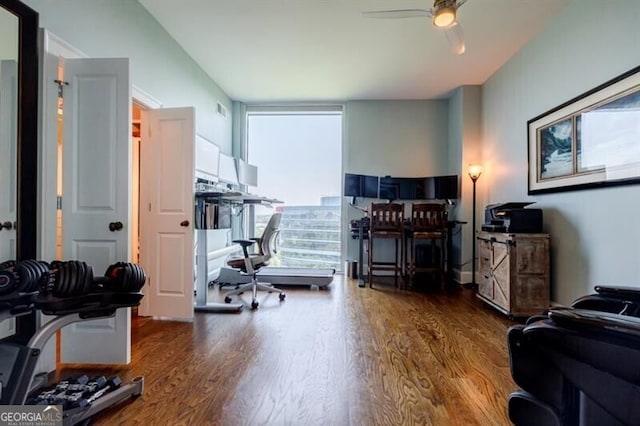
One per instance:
[(123, 28), (396, 138), (595, 233)]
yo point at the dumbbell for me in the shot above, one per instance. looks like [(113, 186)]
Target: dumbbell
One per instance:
[(7, 277), (72, 278), (125, 277), (59, 389), (89, 388), (25, 276), (112, 384)]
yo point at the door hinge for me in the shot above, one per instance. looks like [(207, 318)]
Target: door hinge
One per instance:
[(59, 202), (61, 85)]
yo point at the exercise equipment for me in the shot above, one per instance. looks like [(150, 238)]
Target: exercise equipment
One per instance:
[(68, 291), (276, 275)]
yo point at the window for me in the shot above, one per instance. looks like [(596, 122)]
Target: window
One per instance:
[(299, 160)]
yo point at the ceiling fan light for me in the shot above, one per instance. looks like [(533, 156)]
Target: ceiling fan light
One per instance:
[(444, 16)]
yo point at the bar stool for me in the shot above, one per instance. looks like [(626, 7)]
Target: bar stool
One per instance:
[(428, 223), (387, 222)]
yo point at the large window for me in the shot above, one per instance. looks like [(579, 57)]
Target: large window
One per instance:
[(299, 157)]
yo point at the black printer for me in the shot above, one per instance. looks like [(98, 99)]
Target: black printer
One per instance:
[(512, 218)]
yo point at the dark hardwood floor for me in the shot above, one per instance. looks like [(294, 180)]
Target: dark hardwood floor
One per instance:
[(341, 356)]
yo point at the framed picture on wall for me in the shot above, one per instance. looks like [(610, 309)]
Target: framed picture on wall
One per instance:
[(590, 141)]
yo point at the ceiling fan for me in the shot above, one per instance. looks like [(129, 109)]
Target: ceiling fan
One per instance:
[(443, 15)]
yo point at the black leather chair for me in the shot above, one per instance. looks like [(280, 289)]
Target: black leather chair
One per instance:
[(579, 366)]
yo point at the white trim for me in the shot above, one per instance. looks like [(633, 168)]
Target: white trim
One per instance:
[(146, 100), (57, 46)]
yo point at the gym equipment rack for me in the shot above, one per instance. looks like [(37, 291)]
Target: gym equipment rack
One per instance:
[(19, 353)]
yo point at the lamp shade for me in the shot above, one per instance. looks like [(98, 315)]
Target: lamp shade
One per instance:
[(475, 170)]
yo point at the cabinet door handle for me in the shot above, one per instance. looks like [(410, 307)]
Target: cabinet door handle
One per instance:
[(184, 223)]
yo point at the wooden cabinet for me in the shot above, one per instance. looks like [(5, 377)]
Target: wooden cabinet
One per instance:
[(514, 272)]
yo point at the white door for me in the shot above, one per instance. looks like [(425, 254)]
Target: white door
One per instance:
[(96, 164), (166, 211), (8, 142)]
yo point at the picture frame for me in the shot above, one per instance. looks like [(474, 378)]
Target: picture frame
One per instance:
[(591, 141)]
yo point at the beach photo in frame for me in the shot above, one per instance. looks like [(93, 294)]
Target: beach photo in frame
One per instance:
[(591, 141)]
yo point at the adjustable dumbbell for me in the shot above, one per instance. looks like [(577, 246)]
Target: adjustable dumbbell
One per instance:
[(125, 277), (7, 276), (25, 276), (72, 278)]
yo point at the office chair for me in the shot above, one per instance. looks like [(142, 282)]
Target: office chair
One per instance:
[(387, 222), (250, 263), (428, 224)]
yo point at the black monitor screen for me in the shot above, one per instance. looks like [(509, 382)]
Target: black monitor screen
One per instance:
[(425, 188), (407, 188), (369, 187), (352, 185), (360, 186), (389, 188), (446, 187)]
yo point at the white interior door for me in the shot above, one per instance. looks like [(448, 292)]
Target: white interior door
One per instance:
[(8, 142), (96, 163), (166, 211)]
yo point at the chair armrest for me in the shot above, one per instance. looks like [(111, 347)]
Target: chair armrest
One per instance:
[(244, 243)]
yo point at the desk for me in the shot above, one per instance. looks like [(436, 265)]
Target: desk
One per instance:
[(362, 235), (203, 255)]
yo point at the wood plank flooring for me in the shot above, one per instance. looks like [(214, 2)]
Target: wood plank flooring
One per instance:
[(341, 356)]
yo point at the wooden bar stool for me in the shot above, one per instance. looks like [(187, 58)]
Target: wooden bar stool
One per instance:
[(428, 223), (387, 222)]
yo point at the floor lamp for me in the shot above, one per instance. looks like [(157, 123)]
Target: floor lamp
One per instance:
[(475, 170)]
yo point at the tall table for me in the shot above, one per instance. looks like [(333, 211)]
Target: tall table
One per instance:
[(449, 282)]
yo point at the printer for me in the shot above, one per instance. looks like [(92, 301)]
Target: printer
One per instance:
[(512, 218)]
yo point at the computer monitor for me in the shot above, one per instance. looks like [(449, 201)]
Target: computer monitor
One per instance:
[(369, 186), (446, 187), (425, 188), (360, 185), (247, 173), (352, 185), (389, 188), (207, 159), (227, 172)]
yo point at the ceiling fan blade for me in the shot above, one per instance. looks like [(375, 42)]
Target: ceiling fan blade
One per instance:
[(398, 13), (455, 37)]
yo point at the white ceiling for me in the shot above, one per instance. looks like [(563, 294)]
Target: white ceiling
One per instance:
[(324, 50)]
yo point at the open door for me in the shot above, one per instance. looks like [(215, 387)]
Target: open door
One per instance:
[(167, 211), (8, 164), (96, 164)]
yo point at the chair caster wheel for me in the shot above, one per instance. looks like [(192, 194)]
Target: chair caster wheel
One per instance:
[(282, 296), (254, 305), (227, 299)]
